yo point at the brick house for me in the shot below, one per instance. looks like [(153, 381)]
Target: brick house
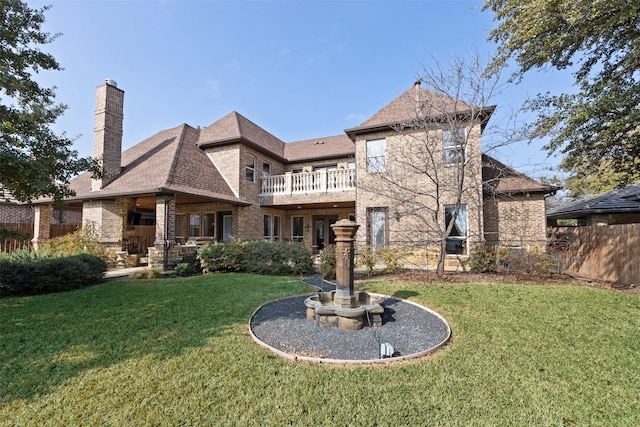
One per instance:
[(234, 180)]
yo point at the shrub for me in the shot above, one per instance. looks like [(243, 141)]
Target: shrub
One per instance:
[(257, 256), (83, 240), (189, 265), (6, 234), (483, 259), (147, 273), (45, 273), (391, 258), (328, 262), (367, 257)]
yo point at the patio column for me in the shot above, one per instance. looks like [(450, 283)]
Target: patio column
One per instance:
[(165, 225), (41, 225)]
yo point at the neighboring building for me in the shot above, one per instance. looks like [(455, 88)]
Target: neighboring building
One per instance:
[(15, 215), (619, 206), (234, 180)]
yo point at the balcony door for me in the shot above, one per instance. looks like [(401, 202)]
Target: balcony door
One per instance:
[(322, 232)]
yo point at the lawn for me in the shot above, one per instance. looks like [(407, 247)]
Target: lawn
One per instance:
[(178, 352)]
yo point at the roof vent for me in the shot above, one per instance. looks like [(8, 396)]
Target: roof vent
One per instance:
[(111, 82), (319, 142)]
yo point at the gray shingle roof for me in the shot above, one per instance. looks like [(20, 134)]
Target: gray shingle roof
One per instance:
[(234, 127), (622, 200), (500, 178), (414, 103), (320, 148), (169, 161)]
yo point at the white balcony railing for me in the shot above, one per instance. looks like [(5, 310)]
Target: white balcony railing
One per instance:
[(310, 182)]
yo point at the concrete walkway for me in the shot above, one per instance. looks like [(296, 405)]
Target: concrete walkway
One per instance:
[(122, 273)]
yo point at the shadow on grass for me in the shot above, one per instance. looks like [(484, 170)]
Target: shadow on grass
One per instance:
[(405, 294), (46, 340)]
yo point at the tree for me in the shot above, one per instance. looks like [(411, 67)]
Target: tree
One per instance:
[(595, 128), (34, 161), (430, 170)]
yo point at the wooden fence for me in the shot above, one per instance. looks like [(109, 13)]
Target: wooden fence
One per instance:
[(609, 252), (55, 230)]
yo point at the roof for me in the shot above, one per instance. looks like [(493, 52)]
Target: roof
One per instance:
[(320, 148), (414, 103), (502, 179), (621, 200), (233, 128), (169, 161)]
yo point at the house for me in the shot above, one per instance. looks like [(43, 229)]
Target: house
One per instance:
[(19, 216), (619, 206), (234, 180)]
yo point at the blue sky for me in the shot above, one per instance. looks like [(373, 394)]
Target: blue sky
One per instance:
[(298, 69)]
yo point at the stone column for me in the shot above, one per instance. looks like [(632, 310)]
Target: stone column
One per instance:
[(345, 230), (42, 225), (165, 226)]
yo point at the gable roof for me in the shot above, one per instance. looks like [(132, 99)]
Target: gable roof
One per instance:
[(414, 103), (621, 200), (498, 178), (169, 161), (234, 128)]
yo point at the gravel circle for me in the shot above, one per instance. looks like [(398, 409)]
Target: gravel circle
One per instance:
[(412, 331)]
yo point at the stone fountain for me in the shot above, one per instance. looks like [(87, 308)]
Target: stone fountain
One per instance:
[(345, 308)]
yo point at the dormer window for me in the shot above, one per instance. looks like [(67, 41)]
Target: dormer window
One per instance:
[(453, 143)]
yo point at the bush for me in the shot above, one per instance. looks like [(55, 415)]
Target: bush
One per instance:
[(391, 258), (6, 234), (147, 273), (328, 262), (45, 273), (257, 256), (83, 240), (367, 257), (483, 259), (189, 265)]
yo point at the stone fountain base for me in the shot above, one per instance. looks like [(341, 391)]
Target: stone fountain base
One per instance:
[(365, 310)]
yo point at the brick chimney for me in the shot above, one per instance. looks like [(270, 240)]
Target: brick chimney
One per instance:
[(107, 132)]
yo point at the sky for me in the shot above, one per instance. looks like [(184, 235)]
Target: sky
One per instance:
[(298, 69)]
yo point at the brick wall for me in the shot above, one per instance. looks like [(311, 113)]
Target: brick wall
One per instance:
[(515, 220)]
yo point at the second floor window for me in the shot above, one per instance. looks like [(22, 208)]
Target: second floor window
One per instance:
[(376, 153), (453, 143), (250, 168), (266, 169)]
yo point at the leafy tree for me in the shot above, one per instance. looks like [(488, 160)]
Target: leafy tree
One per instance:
[(34, 161), (595, 128)]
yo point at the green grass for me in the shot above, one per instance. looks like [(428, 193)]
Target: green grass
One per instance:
[(178, 352)]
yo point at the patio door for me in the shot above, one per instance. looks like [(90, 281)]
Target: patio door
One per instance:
[(322, 232)]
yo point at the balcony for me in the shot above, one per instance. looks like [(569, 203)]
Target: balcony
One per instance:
[(312, 187)]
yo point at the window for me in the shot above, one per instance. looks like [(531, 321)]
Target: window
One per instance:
[(297, 232), (453, 143), (194, 225), (376, 155), (208, 224), (457, 241), (276, 228), (377, 228), (267, 227), (225, 226), (181, 227), (250, 168), (266, 169)]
